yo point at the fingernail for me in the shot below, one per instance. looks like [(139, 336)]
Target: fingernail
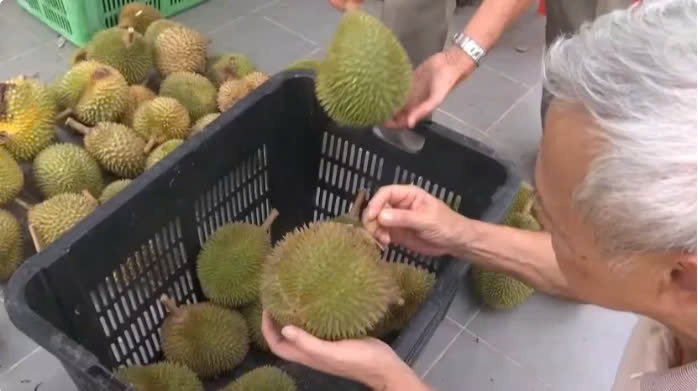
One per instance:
[(289, 332), (386, 216)]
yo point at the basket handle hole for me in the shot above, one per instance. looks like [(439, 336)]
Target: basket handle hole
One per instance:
[(407, 140)]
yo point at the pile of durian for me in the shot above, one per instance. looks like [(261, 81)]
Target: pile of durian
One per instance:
[(135, 93), (327, 277)]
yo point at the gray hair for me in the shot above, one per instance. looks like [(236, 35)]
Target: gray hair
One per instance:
[(634, 72)]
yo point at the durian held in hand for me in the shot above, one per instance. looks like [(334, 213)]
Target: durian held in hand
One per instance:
[(366, 76), (496, 289)]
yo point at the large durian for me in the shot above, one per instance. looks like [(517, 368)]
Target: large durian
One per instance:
[(328, 278), (50, 219), (125, 50), (11, 245), (229, 66), (160, 376), (139, 16), (11, 177), (27, 117), (193, 91), (116, 147), (208, 338), (67, 168), (157, 27), (161, 119), (180, 49), (264, 378), (366, 76), (230, 262)]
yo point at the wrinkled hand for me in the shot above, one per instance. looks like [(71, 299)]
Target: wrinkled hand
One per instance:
[(409, 216), (432, 81), (345, 5), (368, 361)]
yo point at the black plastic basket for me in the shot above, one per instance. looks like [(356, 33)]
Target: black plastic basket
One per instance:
[(92, 298)]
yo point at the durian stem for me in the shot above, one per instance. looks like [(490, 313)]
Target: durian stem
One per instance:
[(170, 304), (90, 197), (35, 238), (78, 126), (64, 114), (150, 145), (270, 219), (25, 205), (139, 13), (358, 202), (129, 39)]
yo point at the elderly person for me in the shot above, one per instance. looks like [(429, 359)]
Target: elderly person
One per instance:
[(616, 192)]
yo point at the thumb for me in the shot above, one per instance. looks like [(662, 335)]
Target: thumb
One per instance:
[(422, 110), (400, 218), (303, 340)]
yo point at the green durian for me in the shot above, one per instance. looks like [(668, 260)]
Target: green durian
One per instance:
[(125, 50), (253, 316), (230, 262), (161, 119), (180, 49), (157, 27), (328, 278), (55, 216), (161, 151), (193, 91), (11, 245), (366, 76), (264, 378), (160, 376), (229, 66), (67, 168), (113, 189), (11, 177), (209, 339)]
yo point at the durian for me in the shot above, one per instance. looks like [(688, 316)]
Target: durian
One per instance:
[(193, 91), (93, 92), (67, 168), (161, 151), (203, 122), (139, 16), (125, 50), (496, 289), (157, 27), (264, 378), (116, 147), (229, 66), (11, 177), (180, 49), (113, 189), (253, 316), (230, 262), (11, 245), (209, 339), (137, 95), (255, 79), (366, 76), (160, 376), (328, 279), (79, 55), (161, 119), (53, 217), (27, 117), (303, 64), (231, 92)]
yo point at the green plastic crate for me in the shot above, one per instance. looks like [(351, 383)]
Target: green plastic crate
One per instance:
[(78, 20)]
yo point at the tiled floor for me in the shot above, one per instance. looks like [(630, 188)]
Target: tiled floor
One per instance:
[(546, 344)]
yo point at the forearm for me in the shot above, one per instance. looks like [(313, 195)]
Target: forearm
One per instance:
[(526, 255)]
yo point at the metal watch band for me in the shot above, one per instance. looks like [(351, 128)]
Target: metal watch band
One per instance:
[(470, 47)]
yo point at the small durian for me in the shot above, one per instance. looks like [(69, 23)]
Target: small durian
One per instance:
[(193, 91), (303, 64), (139, 16), (366, 76), (27, 117), (208, 338), (67, 168), (231, 92), (255, 79), (161, 151), (11, 245), (50, 219), (161, 119), (11, 177), (264, 378), (157, 27), (328, 278), (137, 95), (203, 122), (180, 49), (116, 147), (113, 189), (230, 262), (93, 92), (125, 50), (253, 316), (229, 66), (159, 376)]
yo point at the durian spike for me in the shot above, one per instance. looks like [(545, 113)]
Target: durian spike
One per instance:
[(358, 202), (64, 114), (150, 145), (25, 205), (270, 219), (83, 129), (90, 197), (38, 245)]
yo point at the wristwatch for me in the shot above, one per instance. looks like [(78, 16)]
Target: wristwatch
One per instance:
[(470, 47)]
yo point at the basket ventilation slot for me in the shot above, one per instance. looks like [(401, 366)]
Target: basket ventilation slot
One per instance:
[(127, 301), (59, 20), (242, 195), (33, 4), (56, 5)]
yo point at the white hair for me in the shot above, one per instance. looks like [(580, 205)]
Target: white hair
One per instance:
[(634, 72)]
